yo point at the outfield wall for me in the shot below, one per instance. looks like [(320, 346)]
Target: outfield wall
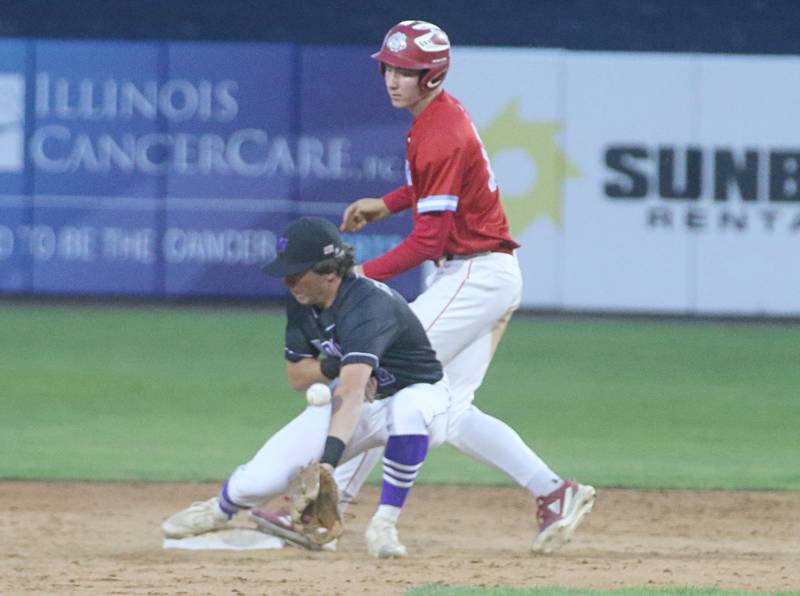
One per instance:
[(645, 182), (637, 182), (167, 169)]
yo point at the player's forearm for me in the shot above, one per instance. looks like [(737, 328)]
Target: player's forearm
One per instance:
[(399, 199), (346, 412), (398, 260), (348, 398), (426, 242), (303, 374), (380, 212)]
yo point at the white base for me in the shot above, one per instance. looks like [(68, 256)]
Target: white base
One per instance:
[(231, 539)]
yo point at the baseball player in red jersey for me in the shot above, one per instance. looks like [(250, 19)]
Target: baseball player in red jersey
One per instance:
[(460, 225)]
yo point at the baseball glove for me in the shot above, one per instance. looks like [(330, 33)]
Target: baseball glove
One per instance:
[(314, 504)]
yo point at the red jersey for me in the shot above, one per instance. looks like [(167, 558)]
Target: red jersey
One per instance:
[(451, 190)]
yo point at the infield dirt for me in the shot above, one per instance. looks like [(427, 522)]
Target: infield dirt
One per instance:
[(104, 538)]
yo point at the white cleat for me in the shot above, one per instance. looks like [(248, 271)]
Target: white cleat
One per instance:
[(199, 518), (382, 540), (560, 514), (330, 546)]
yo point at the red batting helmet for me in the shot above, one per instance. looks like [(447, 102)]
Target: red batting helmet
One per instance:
[(417, 45)]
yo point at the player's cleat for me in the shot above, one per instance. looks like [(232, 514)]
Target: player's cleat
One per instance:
[(382, 540), (560, 513), (331, 546), (280, 524), (199, 518)]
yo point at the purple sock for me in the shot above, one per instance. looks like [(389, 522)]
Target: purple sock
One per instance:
[(402, 459), (226, 504)]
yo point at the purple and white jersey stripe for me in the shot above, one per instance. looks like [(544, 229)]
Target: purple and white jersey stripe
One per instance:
[(364, 357), (293, 356), (368, 323)]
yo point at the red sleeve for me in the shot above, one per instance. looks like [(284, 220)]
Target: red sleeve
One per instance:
[(399, 199), (439, 174), (426, 241)]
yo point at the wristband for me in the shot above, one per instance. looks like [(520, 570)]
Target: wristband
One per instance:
[(330, 367), (334, 448)]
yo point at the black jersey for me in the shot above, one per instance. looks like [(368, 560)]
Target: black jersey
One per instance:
[(368, 323)]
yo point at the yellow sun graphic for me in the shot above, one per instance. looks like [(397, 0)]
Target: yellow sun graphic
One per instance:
[(542, 198)]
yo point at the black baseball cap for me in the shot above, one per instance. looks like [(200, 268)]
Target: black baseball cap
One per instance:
[(304, 243)]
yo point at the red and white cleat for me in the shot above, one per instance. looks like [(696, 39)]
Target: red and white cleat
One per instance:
[(560, 513)]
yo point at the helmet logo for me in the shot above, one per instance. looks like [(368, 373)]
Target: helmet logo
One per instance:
[(282, 242), (433, 41), (396, 42)]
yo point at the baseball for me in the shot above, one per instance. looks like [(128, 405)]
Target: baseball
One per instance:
[(318, 394)]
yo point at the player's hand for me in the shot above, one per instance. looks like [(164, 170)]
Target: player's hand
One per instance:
[(363, 211), (371, 389)]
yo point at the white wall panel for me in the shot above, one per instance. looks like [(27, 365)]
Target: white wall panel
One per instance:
[(514, 97), (688, 237), (750, 104), (613, 258)]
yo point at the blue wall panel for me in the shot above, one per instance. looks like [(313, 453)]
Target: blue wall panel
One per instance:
[(15, 210), (167, 169), (356, 145), (97, 153), (234, 179)]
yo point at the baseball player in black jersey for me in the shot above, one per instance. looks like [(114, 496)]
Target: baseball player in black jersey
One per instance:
[(363, 334), (367, 323)]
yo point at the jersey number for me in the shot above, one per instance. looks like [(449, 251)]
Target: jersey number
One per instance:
[(492, 179)]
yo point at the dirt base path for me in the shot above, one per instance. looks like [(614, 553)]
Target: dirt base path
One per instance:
[(87, 538)]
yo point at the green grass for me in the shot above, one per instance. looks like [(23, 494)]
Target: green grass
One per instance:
[(170, 394), (435, 590)]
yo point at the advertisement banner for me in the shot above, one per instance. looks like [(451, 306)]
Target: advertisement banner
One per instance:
[(95, 245), (515, 100), (220, 252), (98, 110), (95, 150), (747, 219), (231, 125), (660, 183), (15, 210), (691, 198), (168, 169), (355, 142), (629, 117), (233, 173)]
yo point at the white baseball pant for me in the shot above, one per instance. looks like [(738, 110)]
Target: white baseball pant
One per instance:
[(416, 410), (465, 310)]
